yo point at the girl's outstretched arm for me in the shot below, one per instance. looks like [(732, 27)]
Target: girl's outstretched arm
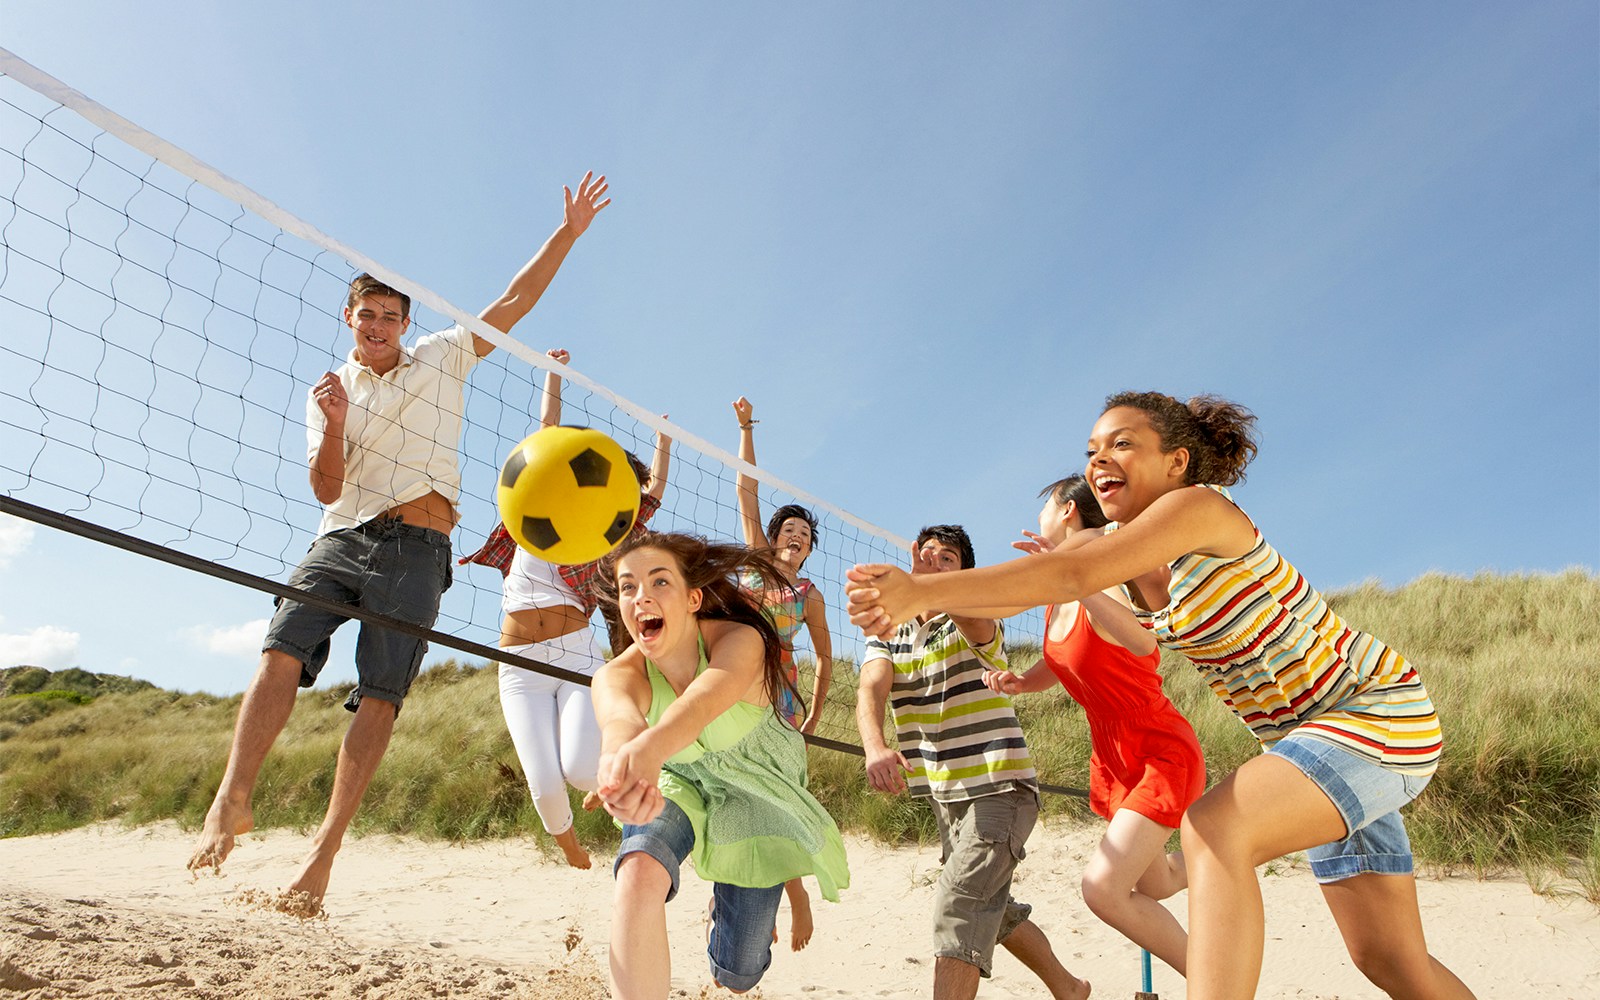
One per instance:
[(1177, 523), (755, 535), (659, 464), (734, 657), (1037, 678), (1113, 620), (550, 406), (621, 696)]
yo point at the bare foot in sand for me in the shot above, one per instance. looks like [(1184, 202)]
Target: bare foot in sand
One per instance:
[(225, 820), (577, 857), (800, 926), (312, 882)]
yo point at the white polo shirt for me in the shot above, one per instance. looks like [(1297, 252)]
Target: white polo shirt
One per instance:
[(402, 433)]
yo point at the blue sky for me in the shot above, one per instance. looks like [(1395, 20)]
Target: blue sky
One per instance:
[(928, 239)]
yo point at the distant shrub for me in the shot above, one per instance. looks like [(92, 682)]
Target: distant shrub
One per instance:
[(76, 697)]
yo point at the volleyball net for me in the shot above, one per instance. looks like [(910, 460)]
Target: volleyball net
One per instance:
[(163, 323)]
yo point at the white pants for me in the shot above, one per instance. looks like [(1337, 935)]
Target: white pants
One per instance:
[(552, 723)]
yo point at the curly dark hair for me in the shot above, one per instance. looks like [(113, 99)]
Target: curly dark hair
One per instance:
[(713, 569), (1220, 435)]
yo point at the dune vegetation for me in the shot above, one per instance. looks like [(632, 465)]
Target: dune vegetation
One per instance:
[(1511, 662)]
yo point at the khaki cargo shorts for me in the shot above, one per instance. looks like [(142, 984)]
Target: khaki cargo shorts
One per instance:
[(983, 841)]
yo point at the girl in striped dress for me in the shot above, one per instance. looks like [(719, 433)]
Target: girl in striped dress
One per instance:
[(1349, 731)]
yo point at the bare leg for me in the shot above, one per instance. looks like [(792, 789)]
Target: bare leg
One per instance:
[(1382, 928), (641, 962), (1130, 856), (262, 715), (800, 926), (954, 979), (1032, 949), (1264, 810), (359, 755)]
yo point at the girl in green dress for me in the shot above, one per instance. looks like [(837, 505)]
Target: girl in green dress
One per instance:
[(696, 762)]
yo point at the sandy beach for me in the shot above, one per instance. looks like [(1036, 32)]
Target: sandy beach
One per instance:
[(110, 911)]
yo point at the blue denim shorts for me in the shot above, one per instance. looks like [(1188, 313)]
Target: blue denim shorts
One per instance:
[(742, 919), (1368, 797), (383, 565)]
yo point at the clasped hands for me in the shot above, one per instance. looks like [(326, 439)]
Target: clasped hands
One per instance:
[(628, 782)]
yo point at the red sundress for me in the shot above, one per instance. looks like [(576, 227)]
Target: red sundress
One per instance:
[(1145, 755)]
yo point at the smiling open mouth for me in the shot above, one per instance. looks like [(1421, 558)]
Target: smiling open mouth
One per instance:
[(649, 626)]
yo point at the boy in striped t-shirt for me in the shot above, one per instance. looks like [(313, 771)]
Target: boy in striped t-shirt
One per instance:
[(960, 745)]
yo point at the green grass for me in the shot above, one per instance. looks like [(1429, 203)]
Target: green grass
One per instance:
[(1510, 662)]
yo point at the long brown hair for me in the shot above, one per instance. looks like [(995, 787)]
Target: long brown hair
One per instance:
[(713, 569)]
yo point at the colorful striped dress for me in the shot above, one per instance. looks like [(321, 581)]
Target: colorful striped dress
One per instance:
[(1271, 648)]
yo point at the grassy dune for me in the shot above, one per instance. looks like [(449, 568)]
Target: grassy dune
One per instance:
[(1510, 661)]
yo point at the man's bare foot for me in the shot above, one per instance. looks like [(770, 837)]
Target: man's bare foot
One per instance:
[(225, 820), (800, 925), (577, 857), (312, 882)]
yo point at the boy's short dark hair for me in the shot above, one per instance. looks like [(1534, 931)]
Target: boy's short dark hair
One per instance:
[(953, 535), (365, 284)]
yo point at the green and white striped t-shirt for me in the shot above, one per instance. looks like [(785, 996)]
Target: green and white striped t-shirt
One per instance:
[(960, 738)]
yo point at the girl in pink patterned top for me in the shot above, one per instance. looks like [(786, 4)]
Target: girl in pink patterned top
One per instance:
[(789, 536)]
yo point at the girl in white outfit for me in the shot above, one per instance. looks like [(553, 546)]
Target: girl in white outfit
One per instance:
[(552, 721)]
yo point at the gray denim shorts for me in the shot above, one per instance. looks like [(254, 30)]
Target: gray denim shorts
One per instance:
[(385, 566), (983, 840)]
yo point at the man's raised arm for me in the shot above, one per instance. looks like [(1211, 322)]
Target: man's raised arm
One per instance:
[(529, 284)]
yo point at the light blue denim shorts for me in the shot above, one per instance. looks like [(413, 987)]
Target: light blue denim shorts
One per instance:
[(1368, 797)]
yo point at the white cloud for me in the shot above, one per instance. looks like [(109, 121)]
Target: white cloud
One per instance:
[(242, 640), (15, 537), (46, 646)]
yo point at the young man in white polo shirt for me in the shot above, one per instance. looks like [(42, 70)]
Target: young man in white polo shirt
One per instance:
[(961, 747), (383, 433)]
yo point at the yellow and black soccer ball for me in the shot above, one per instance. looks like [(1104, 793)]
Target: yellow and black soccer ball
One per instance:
[(568, 494)]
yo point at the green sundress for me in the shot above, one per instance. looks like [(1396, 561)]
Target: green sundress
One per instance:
[(742, 784)]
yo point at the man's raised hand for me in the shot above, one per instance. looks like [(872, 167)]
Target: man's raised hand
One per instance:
[(581, 210)]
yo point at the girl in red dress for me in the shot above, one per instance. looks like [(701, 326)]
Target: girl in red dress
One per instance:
[(1146, 766)]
